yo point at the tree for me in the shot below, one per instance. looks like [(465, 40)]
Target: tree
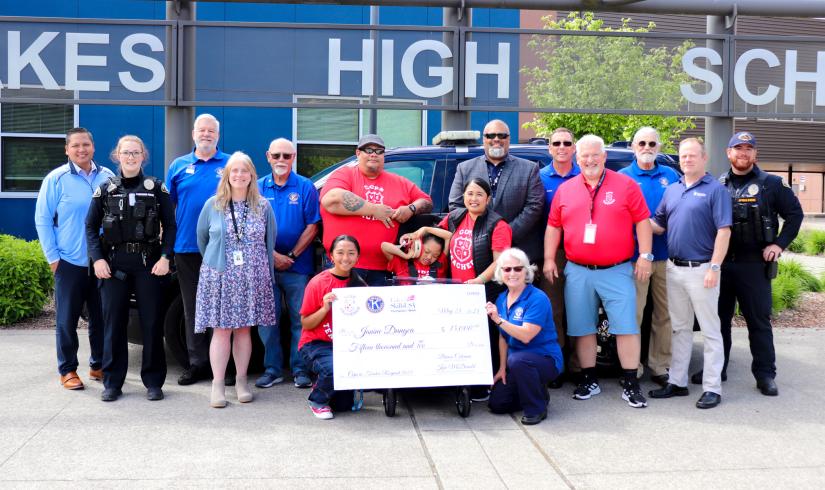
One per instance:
[(606, 72)]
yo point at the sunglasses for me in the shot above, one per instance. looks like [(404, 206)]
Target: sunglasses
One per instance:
[(517, 268), (651, 144), (370, 151), (277, 156), (501, 136), (560, 143)]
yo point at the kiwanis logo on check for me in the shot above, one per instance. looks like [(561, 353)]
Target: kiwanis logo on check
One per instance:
[(375, 304)]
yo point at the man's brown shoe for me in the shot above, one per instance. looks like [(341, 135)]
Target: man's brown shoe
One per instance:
[(96, 374), (71, 381)]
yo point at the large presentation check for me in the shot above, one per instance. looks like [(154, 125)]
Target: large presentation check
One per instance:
[(410, 336)]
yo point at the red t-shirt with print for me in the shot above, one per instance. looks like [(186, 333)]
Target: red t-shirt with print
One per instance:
[(461, 245), (400, 267), (389, 189), (314, 293)]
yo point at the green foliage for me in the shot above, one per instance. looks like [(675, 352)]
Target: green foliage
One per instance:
[(26, 278), (807, 279), (790, 283), (615, 73), (797, 246), (814, 242)]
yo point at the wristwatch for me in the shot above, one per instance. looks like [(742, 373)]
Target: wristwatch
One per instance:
[(412, 208), (648, 257), (715, 267), (500, 321), (291, 255)]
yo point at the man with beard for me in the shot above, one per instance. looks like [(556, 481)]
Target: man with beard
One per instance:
[(759, 199), (597, 212), (191, 180), (653, 179), (295, 202), (518, 195)]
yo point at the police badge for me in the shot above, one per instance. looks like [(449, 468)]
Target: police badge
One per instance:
[(149, 184)]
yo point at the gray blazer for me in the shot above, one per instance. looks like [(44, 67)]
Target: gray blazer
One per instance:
[(519, 199)]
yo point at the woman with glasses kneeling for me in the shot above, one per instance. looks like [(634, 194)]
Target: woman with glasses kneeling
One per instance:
[(316, 319), (529, 349)]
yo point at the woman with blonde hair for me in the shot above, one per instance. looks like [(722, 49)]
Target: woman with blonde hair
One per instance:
[(236, 236)]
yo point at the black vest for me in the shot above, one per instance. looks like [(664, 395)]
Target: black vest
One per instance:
[(131, 214), (482, 243), (754, 222)]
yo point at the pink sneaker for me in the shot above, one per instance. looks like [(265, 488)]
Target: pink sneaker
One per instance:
[(321, 411)]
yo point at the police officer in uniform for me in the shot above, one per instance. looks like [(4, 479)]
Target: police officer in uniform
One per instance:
[(755, 245), (137, 219)]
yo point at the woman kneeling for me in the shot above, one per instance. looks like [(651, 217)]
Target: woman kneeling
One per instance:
[(528, 347)]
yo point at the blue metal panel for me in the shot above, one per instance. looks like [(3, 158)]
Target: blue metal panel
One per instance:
[(19, 218), (250, 130)]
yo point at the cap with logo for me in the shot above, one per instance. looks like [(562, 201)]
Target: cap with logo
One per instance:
[(742, 138), (371, 139)]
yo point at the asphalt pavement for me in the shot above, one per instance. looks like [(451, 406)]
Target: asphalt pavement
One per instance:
[(53, 438)]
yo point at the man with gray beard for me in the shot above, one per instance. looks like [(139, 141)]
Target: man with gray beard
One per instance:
[(653, 179)]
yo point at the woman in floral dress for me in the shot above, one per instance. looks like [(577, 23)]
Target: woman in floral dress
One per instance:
[(236, 236)]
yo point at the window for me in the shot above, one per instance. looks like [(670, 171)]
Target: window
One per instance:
[(327, 136), (32, 138)]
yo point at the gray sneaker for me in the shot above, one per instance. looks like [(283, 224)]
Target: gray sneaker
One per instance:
[(302, 381), (268, 379)]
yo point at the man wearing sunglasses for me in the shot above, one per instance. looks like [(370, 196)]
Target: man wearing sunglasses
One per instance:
[(366, 202), (653, 179), (563, 150), (295, 202), (518, 195)]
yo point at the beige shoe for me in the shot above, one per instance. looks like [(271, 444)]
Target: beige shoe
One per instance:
[(242, 389), (218, 399)]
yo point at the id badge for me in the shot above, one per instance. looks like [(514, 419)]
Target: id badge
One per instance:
[(190, 169), (590, 233), (132, 200), (237, 257)]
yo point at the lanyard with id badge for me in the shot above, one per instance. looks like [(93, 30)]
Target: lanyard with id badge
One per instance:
[(237, 255), (590, 228)]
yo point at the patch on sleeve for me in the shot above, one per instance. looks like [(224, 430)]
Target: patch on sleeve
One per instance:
[(163, 188), (97, 193), (785, 183)]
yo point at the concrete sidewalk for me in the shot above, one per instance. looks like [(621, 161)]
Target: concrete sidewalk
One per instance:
[(53, 438)]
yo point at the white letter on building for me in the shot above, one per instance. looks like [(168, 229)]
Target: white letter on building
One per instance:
[(387, 67), (500, 69), (337, 65), (17, 61), (127, 50), (445, 73), (792, 77), (715, 81), (740, 72), (75, 60)]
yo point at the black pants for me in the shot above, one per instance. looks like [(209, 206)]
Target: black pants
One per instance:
[(747, 283), (114, 295), (197, 344)]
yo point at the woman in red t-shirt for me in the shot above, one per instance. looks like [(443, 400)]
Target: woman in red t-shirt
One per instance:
[(417, 258), (316, 319)]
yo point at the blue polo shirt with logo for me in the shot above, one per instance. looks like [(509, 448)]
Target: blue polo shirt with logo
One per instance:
[(532, 306), (692, 215), (551, 180), (653, 183), (296, 205), (191, 181)]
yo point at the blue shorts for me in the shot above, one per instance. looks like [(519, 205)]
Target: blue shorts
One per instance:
[(584, 289)]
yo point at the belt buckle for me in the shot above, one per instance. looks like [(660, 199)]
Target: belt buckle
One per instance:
[(132, 248)]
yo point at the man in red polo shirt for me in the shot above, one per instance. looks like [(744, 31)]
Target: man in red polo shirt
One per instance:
[(597, 211), (366, 202)]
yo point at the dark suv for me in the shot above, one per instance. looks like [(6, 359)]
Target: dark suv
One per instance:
[(431, 168)]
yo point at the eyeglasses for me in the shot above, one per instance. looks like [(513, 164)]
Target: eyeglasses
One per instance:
[(277, 156), (132, 154), (501, 136), (560, 143), (651, 144), (370, 151), (517, 268)]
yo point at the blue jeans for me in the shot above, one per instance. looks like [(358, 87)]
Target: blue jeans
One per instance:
[(74, 285), (292, 286), (526, 389), (318, 356)]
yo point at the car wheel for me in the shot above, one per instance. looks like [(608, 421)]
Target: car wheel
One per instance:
[(174, 329)]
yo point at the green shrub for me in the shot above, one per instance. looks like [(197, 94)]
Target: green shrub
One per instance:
[(808, 280), (797, 246), (814, 243), (26, 278), (786, 290)]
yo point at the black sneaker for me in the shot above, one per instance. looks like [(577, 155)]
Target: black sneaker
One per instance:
[(632, 394), (193, 375), (110, 394), (154, 394), (586, 388)]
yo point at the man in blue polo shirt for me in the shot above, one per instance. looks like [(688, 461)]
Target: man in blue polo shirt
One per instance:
[(653, 179), (191, 180), (295, 202), (60, 219), (697, 214), (562, 148)]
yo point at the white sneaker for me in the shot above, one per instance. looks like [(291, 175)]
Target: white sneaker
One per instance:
[(321, 411)]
